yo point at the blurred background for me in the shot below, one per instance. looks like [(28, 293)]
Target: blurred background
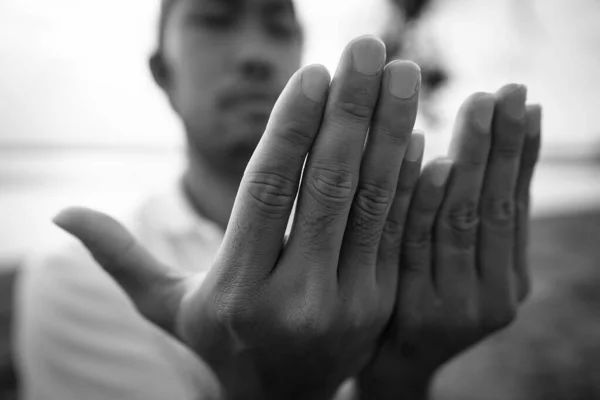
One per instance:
[(82, 122)]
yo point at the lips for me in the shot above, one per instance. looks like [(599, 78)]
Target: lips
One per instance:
[(251, 99)]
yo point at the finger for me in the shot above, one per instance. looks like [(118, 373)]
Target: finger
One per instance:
[(260, 215), (456, 228), (497, 208), (417, 241), (389, 137), (388, 259), (332, 169), (529, 160), (155, 289)]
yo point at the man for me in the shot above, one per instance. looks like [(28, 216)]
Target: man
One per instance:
[(275, 319)]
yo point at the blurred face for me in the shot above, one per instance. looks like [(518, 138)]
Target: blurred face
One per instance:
[(226, 62)]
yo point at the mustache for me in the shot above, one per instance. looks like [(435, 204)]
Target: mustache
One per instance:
[(241, 94)]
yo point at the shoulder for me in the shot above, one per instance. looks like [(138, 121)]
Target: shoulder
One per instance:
[(64, 292), (65, 273), (75, 324)]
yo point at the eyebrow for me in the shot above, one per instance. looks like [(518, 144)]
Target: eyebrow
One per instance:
[(271, 6), (227, 3), (233, 2), (280, 5)]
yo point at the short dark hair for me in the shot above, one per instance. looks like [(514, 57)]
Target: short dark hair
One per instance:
[(166, 6)]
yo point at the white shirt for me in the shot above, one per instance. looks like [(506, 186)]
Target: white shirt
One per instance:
[(79, 337)]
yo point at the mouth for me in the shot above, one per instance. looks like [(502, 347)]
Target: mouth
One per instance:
[(251, 101)]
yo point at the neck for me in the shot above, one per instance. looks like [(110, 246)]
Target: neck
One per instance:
[(211, 192)]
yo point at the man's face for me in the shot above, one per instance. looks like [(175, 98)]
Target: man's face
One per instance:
[(227, 61)]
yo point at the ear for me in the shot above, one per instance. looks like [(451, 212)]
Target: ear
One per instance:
[(159, 70)]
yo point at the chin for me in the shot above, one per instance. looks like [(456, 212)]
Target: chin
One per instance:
[(240, 149), (234, 156), (232, 147), (246, 135)]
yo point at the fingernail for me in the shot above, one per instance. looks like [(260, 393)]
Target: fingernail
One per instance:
[(483, 112), (514, 103), (405, 79), (414, 152), (441, 172), (368, 55), (315, 82), (534, 120)]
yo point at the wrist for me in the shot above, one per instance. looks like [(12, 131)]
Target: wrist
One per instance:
[(241, 380), (392, 377), (405, 386), (291, 391)]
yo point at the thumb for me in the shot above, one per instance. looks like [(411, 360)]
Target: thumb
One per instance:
[(155, 289)]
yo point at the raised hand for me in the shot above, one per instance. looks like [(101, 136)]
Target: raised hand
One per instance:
[(463, 268), (294, 319)]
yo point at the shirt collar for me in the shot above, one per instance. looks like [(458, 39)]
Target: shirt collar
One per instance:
[(178, 217)]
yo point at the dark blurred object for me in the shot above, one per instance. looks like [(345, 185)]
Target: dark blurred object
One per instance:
[(406, 39), (552, 351), (408, 12), (412, 8), (8, 380)]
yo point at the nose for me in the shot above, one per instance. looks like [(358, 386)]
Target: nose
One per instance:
[(256, 69), (255, 58)]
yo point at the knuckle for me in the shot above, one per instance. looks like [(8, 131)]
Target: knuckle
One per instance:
[(396, 132), (464, 216), (355, 109), (373, 200), (227, 317), (304, 325), (233, 314), (413, 264), (332, 187), (298, 133), (308, 320), (463, 221), (509, 138), (393, 228), (499, 211), (509, 151), (509, 148), (368, 219), (271, 194)]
